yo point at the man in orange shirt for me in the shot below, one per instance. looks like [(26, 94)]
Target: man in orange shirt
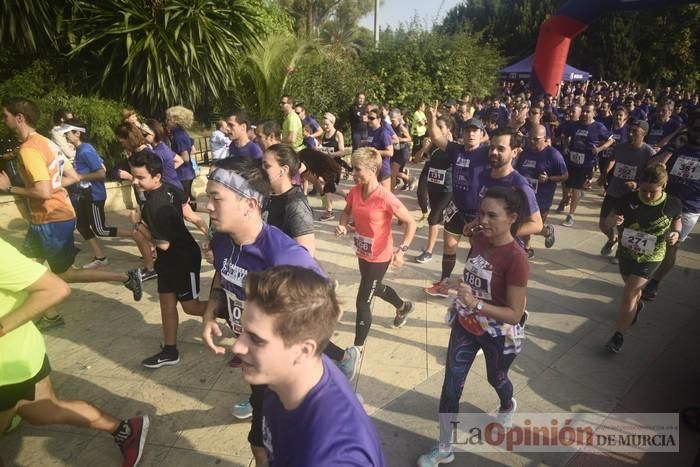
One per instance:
[(45, 172)]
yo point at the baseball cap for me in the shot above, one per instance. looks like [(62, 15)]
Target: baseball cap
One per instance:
[(641, 124), (475, 123)]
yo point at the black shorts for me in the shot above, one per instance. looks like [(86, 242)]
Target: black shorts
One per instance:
[(401, 155), (24, 391), (455, 225), (631, 267), (183, 283), (438, 201), (608, 206), (578, 176), (255, 435)]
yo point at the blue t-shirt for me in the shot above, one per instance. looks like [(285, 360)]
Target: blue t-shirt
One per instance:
[(181, 142), (658, 131), (271, 248), (87, 161), (169, 173), (513, 179), (619, 135), (684, 178), (583, 139), (467, 166), (533, 164), (380, 139), (329, 428), (250, 149), (309, 120)]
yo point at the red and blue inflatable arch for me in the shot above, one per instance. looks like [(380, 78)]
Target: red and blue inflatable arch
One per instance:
[(571, 20)]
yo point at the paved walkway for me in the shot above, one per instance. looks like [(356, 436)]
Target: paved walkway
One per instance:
[(563, 367)]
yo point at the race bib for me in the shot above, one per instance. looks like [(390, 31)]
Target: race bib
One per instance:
[(235, 312), (686, 167), (577, 157), (363, 245), (449, 211), (462, 162), (478, 277), (624, 171), (533, 183), (325, 149), (638, 242), (436, 176)]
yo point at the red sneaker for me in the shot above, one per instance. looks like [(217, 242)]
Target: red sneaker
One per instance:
[(132, 446), (438, 290)]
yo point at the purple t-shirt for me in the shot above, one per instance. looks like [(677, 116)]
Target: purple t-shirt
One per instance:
[(619, 135), (583, 139), (169, 173), (532, 164), (513, 179), (272, 248), (380, 139), (658, 131), (181, 142), (684, 178), (330, 427), (250, 149), (466, 168)]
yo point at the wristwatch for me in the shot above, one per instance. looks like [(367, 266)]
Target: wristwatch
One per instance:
[(479, 305), (403, 248), (9, 189)]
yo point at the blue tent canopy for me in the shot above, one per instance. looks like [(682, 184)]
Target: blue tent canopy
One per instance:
[(523, 70)]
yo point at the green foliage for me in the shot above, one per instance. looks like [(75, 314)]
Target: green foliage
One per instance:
[(29, 25), (311, 15)]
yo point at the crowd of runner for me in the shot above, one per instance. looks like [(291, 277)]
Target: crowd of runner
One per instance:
[(484, 170)]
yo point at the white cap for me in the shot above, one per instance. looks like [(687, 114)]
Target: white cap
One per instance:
[(65, 128)]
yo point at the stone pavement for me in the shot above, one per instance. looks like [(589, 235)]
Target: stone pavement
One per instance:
[(564, 367)]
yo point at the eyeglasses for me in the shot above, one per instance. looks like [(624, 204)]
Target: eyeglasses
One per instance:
[(371, 118)]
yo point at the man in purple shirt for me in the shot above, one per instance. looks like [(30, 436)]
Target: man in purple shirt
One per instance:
[(379, 138), (316, 130), (311, 417), (241, 145)]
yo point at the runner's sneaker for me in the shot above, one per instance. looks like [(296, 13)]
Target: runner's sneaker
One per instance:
[(131, 439), (421, 221), (640, 308), (162, 358), (350, 365), (562, 205), (435, 457), (438, 290), (147, 275), (615, 342), (135, 283), (327, 216), (549, 237), (45, 323), (569, 221), (242, 410), (402, 314), (96, 263), (607, 248), (424, 257), (650, 291), (505, 416)]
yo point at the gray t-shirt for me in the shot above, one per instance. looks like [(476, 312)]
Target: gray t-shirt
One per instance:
[(629, 164)]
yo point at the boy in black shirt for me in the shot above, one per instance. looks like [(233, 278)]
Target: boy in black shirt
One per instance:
[(179, 258)]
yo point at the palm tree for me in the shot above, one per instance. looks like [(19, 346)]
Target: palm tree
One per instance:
[(30, 26)]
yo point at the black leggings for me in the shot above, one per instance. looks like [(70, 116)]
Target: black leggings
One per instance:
[(91, 218), (422, 191), (371, 275)]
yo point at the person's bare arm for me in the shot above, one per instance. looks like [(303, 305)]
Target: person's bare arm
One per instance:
[(38, 190), (433, 131)]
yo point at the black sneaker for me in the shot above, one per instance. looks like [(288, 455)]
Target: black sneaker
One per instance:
[(402, 313), (147, 275), (615, 342), (607, 248), (162, 358), (640, 308), (135, 283), (650, 291)]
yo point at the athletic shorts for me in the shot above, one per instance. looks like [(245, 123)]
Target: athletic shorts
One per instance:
[(578, 176), (688, 219), (184, 284), (608, 206), (401, 156), (12, 393), (454, 224), (631, 267), (52, 242)]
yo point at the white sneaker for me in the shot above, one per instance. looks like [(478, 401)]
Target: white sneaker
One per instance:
[(505, 417), (96, 263), (435, 457)]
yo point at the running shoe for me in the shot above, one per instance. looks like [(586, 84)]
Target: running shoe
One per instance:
[(134, 283), (569, 221), (562, 206), (615, 342), (96, 263), (402, 314), (350, 364), (549, 237), (131, 442), (505, 417), (530, 252), (650, 291), (242, 410), (162, 358), (640, 308), (607, 248), (147, 275), (438, 290), (424, 257), (435, 457), (327, 216), (46, 324), (421, 221)]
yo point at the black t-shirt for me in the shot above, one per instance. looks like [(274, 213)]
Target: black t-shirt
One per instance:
[(291, 213), (162, 212)]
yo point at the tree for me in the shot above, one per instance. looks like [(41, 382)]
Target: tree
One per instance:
[(310, 15)]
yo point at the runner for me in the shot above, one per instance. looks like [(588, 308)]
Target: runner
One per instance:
[(618, 132), (177, 120), (243, 243), (241, 145), (267, 133), (311, 415), (372, 208), (402, 152), (26, 290), (650, 219), (332, 143), (488, 313), (292, 126), (418, 128), (179, 258), (379, 138)]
